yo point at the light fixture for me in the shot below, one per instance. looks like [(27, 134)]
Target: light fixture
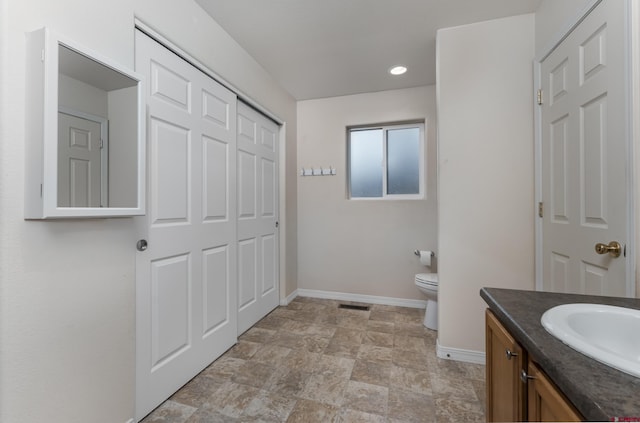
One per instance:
[(397, 70)]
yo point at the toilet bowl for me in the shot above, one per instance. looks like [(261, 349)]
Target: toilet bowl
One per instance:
[(427, 283)]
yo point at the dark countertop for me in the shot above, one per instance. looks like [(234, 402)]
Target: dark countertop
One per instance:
[(599, 392)]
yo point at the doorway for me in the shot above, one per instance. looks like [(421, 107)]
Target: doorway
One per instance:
[(585, 230)]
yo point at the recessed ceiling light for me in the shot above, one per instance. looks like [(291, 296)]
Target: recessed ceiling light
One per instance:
[(397, 70)]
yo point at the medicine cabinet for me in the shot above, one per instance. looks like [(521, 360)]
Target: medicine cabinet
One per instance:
[(85, 132)]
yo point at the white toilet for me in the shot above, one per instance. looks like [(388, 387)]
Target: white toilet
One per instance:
[(428, 284)]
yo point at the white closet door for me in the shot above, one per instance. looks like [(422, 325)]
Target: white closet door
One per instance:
[(185, 289), (584, 156), (258, 240)]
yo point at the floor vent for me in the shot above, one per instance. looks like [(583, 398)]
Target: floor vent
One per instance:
[(354, 307)]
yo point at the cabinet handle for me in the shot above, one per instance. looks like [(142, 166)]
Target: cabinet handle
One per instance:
[(524, 377), (510, 354)]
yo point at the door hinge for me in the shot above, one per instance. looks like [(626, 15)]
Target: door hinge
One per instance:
[(277, 224), (101, 143), (540, 97), (42, 55), (540, 209)]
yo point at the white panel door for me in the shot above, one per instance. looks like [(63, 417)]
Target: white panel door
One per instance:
[(79, 161), (584, 156), (185, 289), (258, 256)]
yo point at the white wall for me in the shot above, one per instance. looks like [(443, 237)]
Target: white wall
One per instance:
[(485, 180), (67, 288), (80, 96), (355, 246), (551, 20), (123, 150)]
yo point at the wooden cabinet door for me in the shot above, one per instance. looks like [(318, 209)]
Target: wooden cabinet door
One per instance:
[(505, 361), (546, 403)]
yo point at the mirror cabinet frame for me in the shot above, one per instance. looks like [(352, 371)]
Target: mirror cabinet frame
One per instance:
[(41, 149)]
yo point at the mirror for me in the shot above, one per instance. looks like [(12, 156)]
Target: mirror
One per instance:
[(86, 156), (97, 129)]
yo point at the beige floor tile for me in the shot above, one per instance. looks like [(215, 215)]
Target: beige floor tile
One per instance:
[(353, 322), (456, 410), (256, 334), (340, 349), (382, 315), (348, 336), (204, 415), (354, 416), (409, 343), (411, 329), (480, 389), (244, 350), (453, 387), (375, 373), (253, 374), (325, 388), (287, 339), (381, 326), (270, 354), (302, 360), (287, 382), (197, 392), (410, 359), (378, 338), (170, 412), (375, 353), (314, 362), (231, 399), (327, 319), (269, 407), (473, 371), (411, 407), (336, 366), (366, 397), (418, 381), (223, 368), (307, 411), (314, 343)]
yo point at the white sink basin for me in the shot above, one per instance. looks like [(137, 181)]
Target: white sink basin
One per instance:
[(605, 333)]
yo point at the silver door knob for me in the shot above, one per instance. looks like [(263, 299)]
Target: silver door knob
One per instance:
[(141, 245)]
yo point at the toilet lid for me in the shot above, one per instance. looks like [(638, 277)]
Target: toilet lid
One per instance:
[(427, 278)]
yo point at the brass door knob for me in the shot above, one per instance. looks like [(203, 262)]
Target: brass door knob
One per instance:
[(614, 248)]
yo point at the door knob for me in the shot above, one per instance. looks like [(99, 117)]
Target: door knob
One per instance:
[(614, 248), (141, 245)]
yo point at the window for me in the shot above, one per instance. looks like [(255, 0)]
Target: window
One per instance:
[(386, 161)]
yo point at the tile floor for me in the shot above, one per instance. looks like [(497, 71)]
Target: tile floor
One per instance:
[(314, 362)]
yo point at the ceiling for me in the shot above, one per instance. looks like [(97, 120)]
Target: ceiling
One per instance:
[(328, 48)]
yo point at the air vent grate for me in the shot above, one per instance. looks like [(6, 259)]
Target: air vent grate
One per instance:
[(354, 307)]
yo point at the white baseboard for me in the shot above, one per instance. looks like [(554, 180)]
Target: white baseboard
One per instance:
[(285, 301), (457, 354), (371, 299)]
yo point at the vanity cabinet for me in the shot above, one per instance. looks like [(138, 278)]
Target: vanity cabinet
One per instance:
[(517, 389), (545, 402), (505, 361)]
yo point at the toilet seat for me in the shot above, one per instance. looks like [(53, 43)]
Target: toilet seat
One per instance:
[(430, 279)]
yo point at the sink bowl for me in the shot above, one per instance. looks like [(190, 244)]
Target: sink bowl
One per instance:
[(608, 334)]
